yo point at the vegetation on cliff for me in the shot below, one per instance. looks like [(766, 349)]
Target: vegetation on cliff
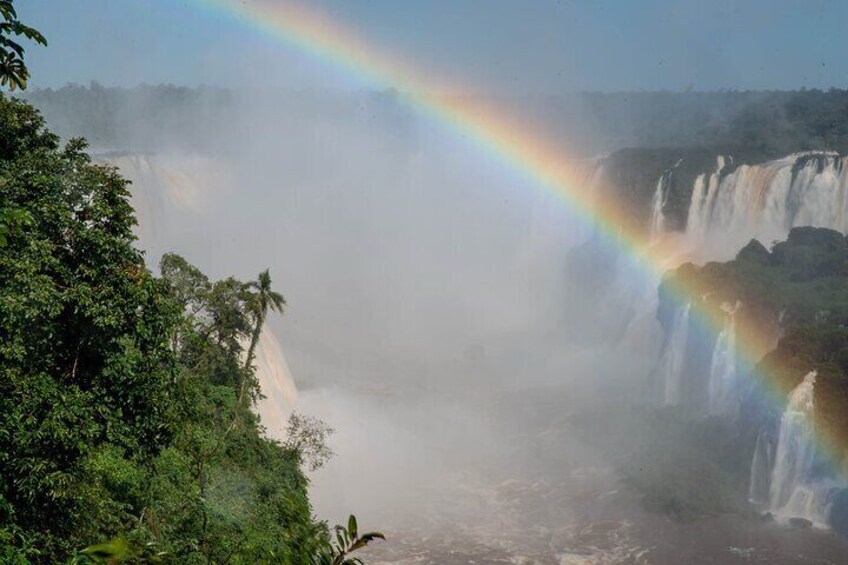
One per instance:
[(798, 293), (126, 398), (802, 279), (796, 297)]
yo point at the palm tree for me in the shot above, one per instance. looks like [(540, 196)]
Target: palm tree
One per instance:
[(259, 300), (262, 300)]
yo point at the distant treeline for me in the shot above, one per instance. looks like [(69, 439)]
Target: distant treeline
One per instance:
[(765, 122)]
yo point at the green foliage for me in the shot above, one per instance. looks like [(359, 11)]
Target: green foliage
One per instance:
[(13, 71), (83, 361), (335, 551), (346, 541), (126, 399), (801, 279), (119, 551), (12, 219), (799, 291)]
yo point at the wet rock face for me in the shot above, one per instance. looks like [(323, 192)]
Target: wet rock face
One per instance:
[(633, 174), (839, 513), (800, 523)]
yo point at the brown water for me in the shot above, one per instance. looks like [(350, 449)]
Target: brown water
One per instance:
[(565, 505), (544, 524)]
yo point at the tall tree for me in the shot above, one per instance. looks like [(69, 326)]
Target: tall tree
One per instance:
[(263, 300)]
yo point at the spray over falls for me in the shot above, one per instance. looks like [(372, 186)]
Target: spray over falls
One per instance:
[(691, 370)]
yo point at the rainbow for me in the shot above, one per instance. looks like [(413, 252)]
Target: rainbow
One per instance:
[(490, 130)]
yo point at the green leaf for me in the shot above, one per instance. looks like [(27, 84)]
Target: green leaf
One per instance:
[(116, 550), (351, 526)]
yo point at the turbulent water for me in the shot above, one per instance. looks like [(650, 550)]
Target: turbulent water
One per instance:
[(733, 204), (789, 476), (729, 206)]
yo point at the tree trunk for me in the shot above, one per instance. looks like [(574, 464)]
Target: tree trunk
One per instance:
[(254, 340), (251, 351)]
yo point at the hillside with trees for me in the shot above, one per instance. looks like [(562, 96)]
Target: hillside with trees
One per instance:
[(126, 400), (125, 397)]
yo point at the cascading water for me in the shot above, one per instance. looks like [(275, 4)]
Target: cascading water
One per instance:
[(798, 487), (761, 467), (765, 201), (658, 202), (670, 369), (170, 193), (703, 196), (725, 389), (276, 384)]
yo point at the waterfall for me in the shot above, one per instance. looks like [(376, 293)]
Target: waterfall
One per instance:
[(795, 447), (798, 488), (276, 384), (765, 201), (658, 202), (761, 466), (670, 369), (171, 194), (703, 195), (175, 182), (725, 391)]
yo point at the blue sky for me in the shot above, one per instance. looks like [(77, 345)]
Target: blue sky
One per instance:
[(497, 45)]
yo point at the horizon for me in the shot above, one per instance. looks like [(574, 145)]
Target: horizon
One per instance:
[(93, 84), (607, 46)]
